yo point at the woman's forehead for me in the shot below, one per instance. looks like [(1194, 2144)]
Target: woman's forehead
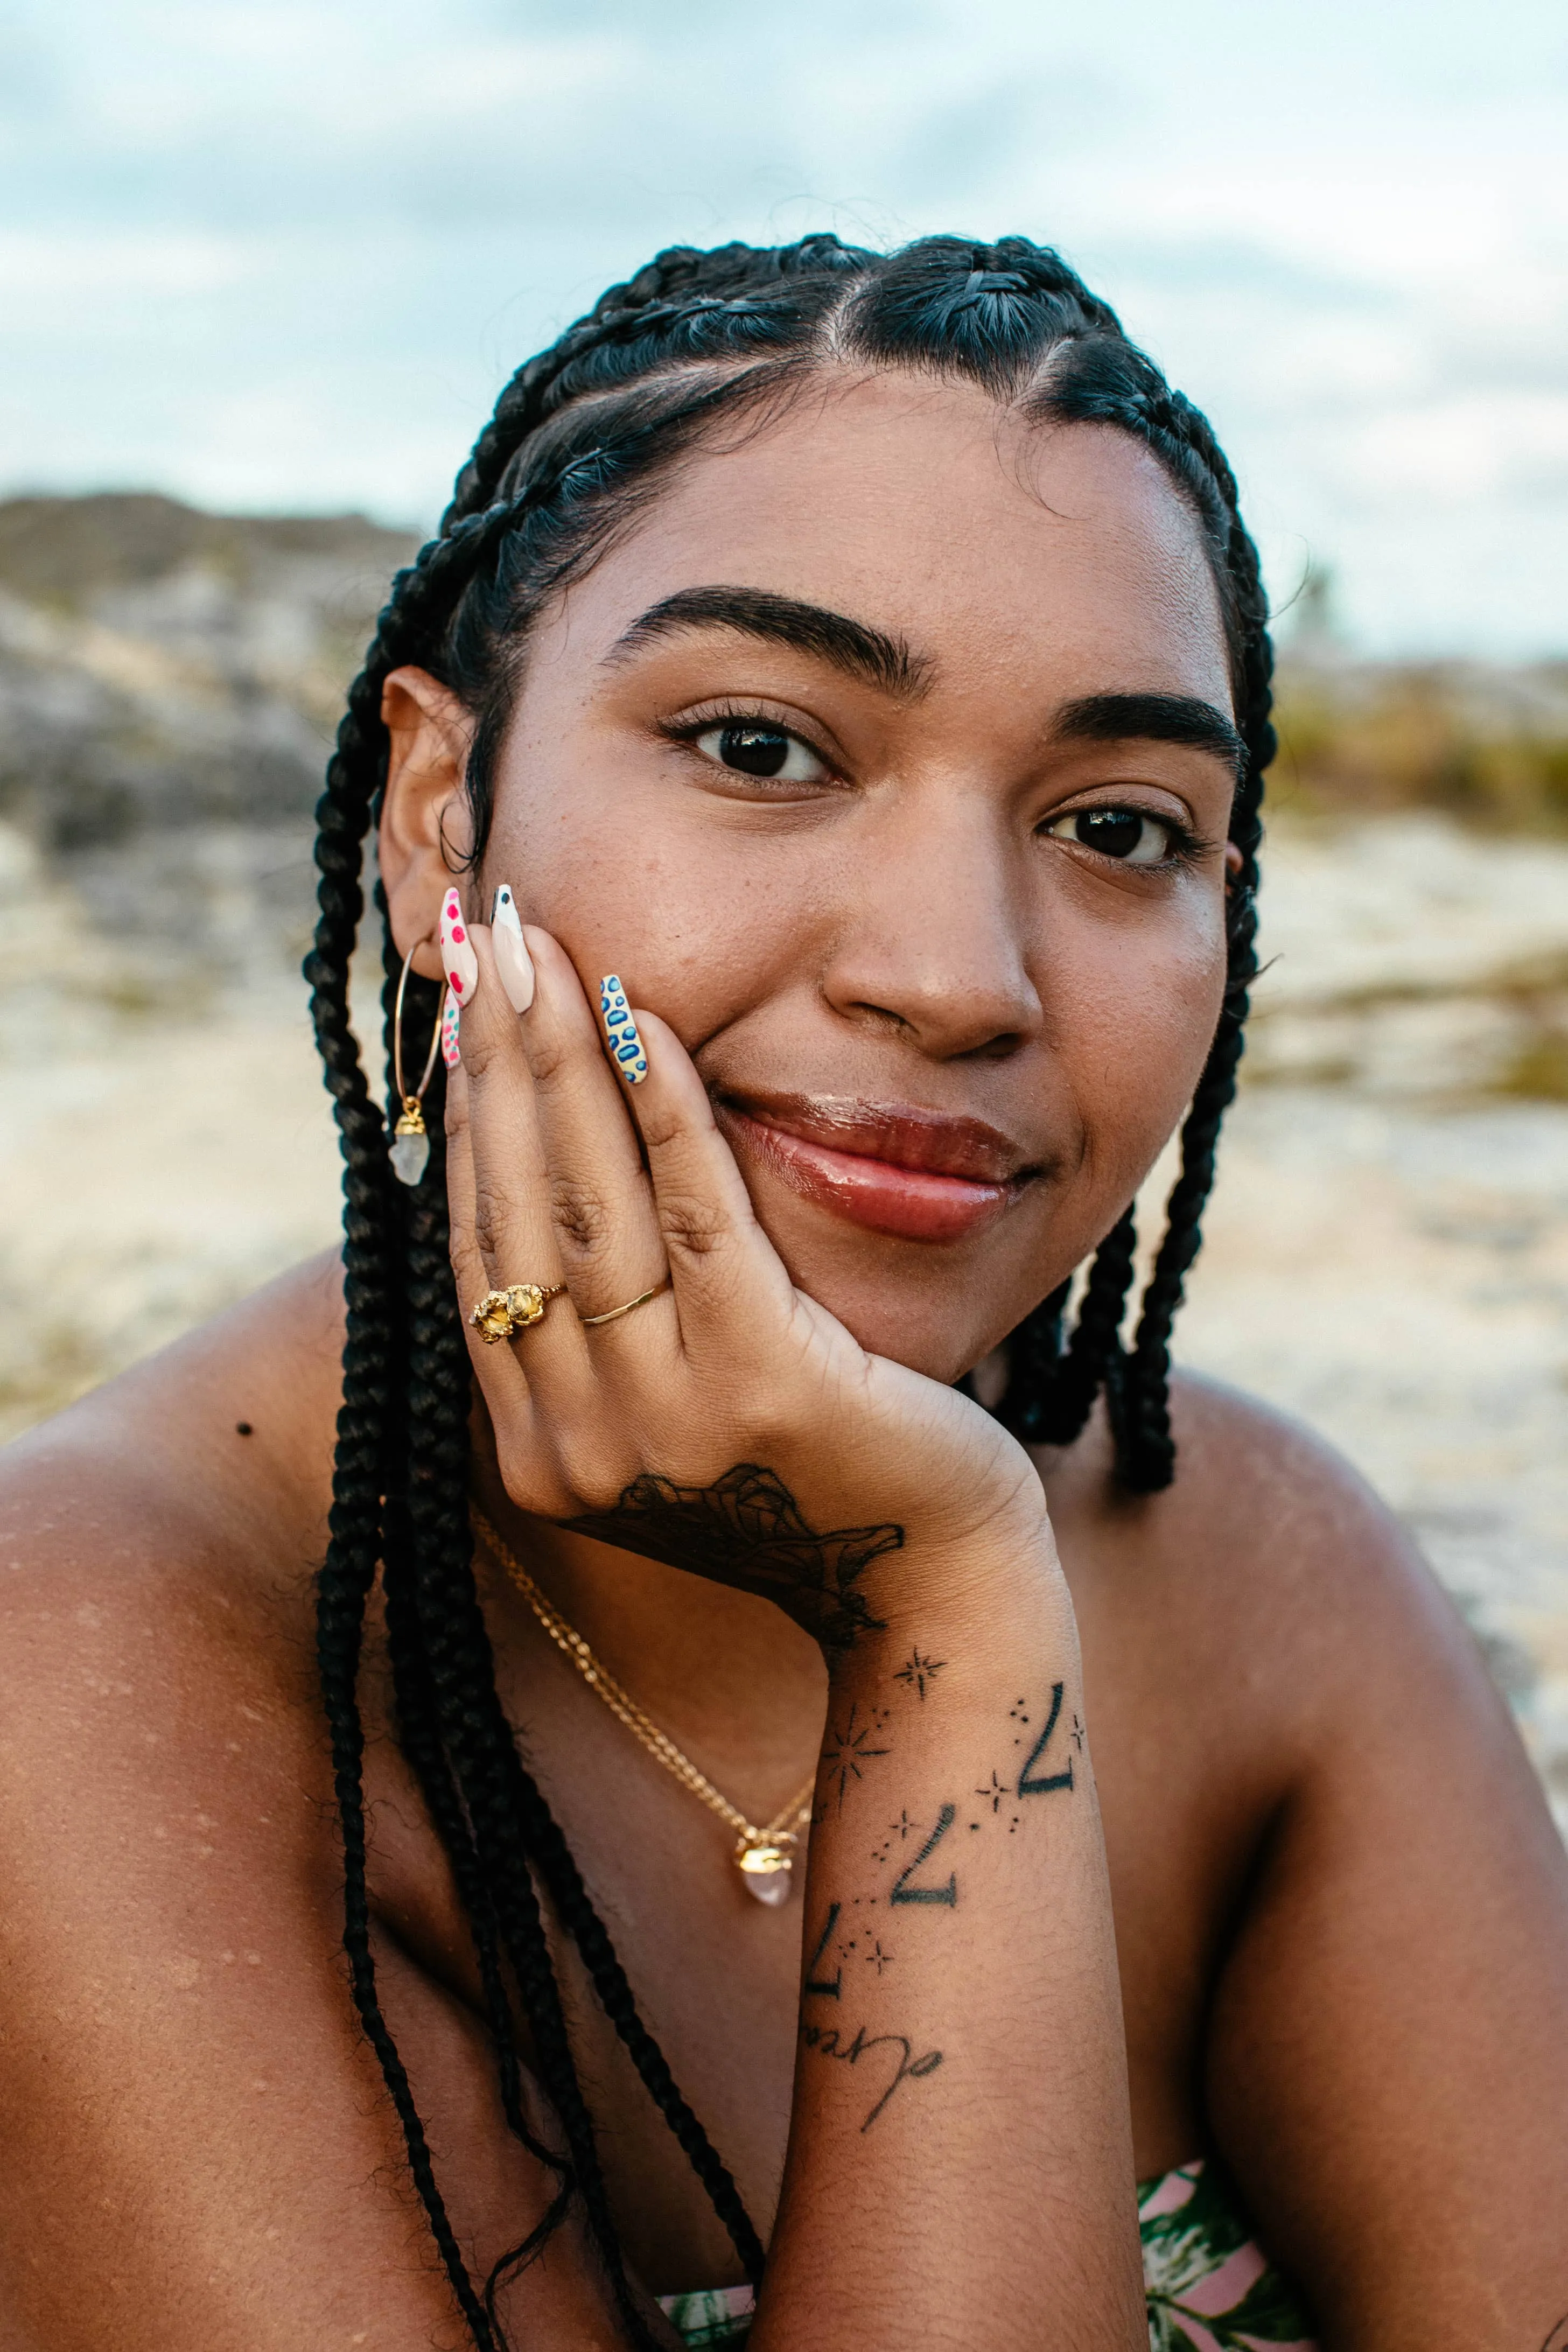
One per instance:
[(983, 542)]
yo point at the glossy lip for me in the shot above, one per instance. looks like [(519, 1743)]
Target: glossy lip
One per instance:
[(918, 1175)]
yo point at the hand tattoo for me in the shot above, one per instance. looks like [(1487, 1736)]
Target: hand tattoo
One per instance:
[(747, 1530)]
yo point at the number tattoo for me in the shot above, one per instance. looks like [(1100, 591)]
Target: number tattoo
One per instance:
[(833, 1991), (902, 1892), (1029, 1786)]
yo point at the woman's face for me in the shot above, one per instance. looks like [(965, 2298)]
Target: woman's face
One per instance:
[(889, 759)]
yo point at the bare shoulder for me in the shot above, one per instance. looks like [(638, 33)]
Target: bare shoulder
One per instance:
[(1264, 1641), (1387, 2035), (1269, 1553), (157, 1538), (173, 2008), (234, 1420), (163, 1776)]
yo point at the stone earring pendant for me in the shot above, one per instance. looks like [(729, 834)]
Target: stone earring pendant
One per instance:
[(409, 1149)]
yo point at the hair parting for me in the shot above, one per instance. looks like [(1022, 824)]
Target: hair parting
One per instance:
[(580, 438)]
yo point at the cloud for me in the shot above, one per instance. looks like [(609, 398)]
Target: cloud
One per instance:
[(284, 255)]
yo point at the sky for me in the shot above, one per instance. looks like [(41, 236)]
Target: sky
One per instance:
[(282, 256)]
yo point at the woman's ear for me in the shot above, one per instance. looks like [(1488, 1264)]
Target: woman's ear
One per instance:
[(426, 827)]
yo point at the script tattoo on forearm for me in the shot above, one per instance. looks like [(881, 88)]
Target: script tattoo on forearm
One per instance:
[(835, 2041), (747, 1529), (832, 2041)]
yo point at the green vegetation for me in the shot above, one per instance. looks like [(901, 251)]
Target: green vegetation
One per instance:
[(1486, 745)]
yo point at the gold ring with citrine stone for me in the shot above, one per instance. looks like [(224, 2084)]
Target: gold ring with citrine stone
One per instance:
[(502, 1314)]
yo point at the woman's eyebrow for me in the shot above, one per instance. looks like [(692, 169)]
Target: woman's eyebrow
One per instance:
[(851, 645), (1150, 718)]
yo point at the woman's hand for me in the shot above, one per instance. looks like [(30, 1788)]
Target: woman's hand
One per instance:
[(729, 1424)]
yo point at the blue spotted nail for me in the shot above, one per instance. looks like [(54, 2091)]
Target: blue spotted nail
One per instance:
[(621, 1030)]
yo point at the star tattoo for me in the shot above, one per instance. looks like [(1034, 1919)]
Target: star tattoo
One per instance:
[(918, 1671), (850, 1749)]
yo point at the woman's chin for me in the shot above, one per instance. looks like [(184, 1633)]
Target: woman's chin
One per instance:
[(929, 1320)]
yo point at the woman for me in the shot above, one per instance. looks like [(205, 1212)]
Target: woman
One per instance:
[(853, 668)]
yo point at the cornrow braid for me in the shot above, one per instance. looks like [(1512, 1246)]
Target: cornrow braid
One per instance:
[(676, 290), (1065, 1398), (581, 437)]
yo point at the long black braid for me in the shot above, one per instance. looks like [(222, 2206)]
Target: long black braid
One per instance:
[(581, 437)]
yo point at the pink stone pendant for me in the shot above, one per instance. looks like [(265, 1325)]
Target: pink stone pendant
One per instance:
[(765, 1872)]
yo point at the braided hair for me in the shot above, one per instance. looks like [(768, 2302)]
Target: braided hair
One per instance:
[(582, 437)]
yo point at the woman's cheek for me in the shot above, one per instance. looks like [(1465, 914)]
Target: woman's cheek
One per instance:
[(613, 892), (1140, 1039), (696, 918)]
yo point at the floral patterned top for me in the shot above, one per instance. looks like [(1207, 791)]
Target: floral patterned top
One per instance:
[(1209, 2287)]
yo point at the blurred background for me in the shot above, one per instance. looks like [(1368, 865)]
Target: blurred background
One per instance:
[(262, 270)]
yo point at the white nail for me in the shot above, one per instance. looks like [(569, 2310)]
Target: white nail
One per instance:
[(457, 955), (450, 1019), (514, 961)]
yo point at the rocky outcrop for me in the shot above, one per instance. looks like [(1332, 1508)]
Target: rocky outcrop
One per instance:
[(170, 682), (161, 668)]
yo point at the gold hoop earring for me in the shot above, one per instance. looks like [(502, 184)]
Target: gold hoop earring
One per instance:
[(409, 1149)]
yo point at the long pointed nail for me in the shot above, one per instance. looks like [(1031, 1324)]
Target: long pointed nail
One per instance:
[(626, 1045), (462, 965), (449, 1025), (514, 961)]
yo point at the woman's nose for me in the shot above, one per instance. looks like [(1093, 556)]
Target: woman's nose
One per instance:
[(932, 935)]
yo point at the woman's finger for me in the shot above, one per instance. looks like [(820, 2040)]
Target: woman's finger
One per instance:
[(501, 1374), (601, 1204), (507, 1211), (730, 1284)]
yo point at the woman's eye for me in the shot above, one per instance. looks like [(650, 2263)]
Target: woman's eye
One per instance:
[(1124, 833), (760, 750)]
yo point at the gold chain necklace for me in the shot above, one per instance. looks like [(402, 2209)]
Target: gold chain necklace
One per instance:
[(763, 1856)]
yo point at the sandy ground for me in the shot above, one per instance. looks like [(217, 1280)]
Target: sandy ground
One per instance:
[(1387, 1254)]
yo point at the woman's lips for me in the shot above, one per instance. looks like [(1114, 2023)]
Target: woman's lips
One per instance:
[(897, 1170)]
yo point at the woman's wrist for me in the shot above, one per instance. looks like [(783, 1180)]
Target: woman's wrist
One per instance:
[(976, 1602)]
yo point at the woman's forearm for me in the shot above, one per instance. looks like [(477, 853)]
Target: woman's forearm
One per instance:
[(960, 2164)]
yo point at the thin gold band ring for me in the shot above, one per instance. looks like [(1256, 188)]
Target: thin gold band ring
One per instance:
[(616, 1312)]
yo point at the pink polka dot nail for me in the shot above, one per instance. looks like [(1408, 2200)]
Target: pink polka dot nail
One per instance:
[(462, 966)]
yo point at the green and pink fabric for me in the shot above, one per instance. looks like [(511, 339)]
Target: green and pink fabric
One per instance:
[(1209, 2287)]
